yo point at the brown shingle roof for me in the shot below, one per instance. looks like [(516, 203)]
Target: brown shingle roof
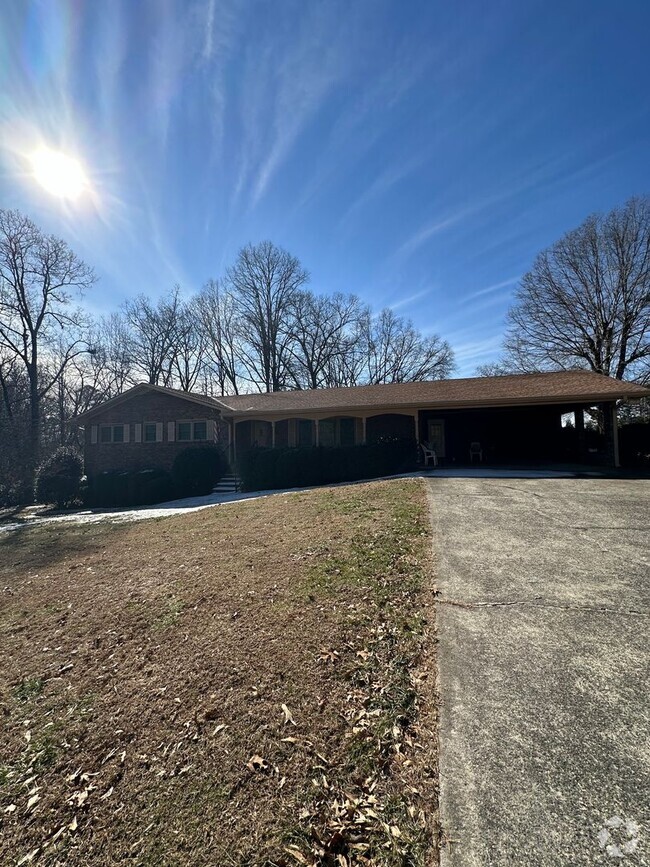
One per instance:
[(568, 386)]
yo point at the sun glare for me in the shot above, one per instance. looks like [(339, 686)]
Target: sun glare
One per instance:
[(59, 174)]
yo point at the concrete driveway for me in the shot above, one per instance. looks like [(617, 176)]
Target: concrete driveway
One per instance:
[(544, 630)]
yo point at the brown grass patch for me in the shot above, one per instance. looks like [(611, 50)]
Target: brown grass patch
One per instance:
[(246, 685)]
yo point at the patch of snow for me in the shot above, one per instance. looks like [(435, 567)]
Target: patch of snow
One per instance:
[(196, 504)]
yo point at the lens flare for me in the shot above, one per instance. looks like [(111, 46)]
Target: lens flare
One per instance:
[(60, 175)]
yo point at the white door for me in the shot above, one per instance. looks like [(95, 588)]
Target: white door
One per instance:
[(436, 437)]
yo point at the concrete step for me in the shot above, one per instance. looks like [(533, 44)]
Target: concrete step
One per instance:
[(229, 484)]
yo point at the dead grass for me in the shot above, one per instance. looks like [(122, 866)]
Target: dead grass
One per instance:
[(250, 685)]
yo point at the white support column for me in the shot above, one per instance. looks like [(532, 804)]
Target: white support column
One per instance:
[(364, 438), (234, 439), (417, 428), (273, 434)]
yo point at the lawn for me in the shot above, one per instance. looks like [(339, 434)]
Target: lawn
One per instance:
[(244, 685)]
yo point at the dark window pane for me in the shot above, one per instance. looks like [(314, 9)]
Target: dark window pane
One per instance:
[(118, 433), (327, 433), (347, 431), (150, 433), (105, 435), (185, 430), (200, 430), (305, 432)]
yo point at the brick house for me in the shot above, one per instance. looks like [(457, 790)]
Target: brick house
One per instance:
[(146, 427), (515, 418)]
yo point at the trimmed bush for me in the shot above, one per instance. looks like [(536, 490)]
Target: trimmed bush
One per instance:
[(197, 470), (141, 488), (269, 469), (634, 444), (58, 479)]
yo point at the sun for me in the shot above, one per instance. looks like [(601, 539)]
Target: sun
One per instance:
[(60, 175)]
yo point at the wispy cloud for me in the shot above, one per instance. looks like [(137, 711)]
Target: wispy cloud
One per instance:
[(434, 228), (406, 302), (493, 288)]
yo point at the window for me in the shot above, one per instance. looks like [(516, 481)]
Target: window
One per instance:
[(346, 431), (150, 432), (112, 433), (305, 434), (339, 431), (186, 431)]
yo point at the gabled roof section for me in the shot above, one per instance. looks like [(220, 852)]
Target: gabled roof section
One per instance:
[(144, 388), (567, 386)]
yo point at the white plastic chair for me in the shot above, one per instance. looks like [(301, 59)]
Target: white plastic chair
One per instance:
[(475, 449), (429, 455)]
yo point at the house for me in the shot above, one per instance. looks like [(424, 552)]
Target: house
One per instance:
[(514, 418)]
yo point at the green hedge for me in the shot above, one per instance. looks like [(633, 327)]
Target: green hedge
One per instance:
[(141, 488), (267, 469), (58, 479), (197, 470), (634, 444)]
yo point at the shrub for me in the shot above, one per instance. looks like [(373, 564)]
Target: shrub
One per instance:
[(268, 469), (634, 444), (139, 488), (58, 479), (197, 470)]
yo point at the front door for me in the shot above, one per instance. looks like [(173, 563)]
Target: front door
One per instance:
[(436, 436)]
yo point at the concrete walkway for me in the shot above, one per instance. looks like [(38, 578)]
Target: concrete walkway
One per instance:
[(544, 654)]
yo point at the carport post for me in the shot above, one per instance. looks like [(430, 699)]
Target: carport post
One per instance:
[(579, 415), (417, 426), (610, 429), (364, 439)]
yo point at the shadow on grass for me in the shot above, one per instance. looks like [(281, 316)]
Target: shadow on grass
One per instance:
[(37, 546)]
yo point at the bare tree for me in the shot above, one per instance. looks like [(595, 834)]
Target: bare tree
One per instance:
[(39, 274), (152, 329), (113, 352), (397, 352), (189, 346), (263, 282), (586, 300), (322, 330), (218, 320)]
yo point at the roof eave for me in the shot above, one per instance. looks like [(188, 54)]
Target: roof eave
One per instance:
[(586, 400)]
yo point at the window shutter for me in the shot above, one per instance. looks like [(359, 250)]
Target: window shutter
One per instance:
[(138, 433), (93, 434), (127, 432), (159, 431), (171, 431)]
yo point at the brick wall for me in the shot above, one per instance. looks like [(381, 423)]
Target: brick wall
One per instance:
[(161, 408)]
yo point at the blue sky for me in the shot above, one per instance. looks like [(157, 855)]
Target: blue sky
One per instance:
[(417, 153)]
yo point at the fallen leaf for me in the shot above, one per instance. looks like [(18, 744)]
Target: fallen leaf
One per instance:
[(107, 794), (257, 763), (219, 728), (26, 859), (32, 801), (73, 825), (11, 808), (288, 718)]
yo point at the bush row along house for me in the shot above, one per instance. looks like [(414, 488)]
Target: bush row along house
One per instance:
[(515, 419)]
